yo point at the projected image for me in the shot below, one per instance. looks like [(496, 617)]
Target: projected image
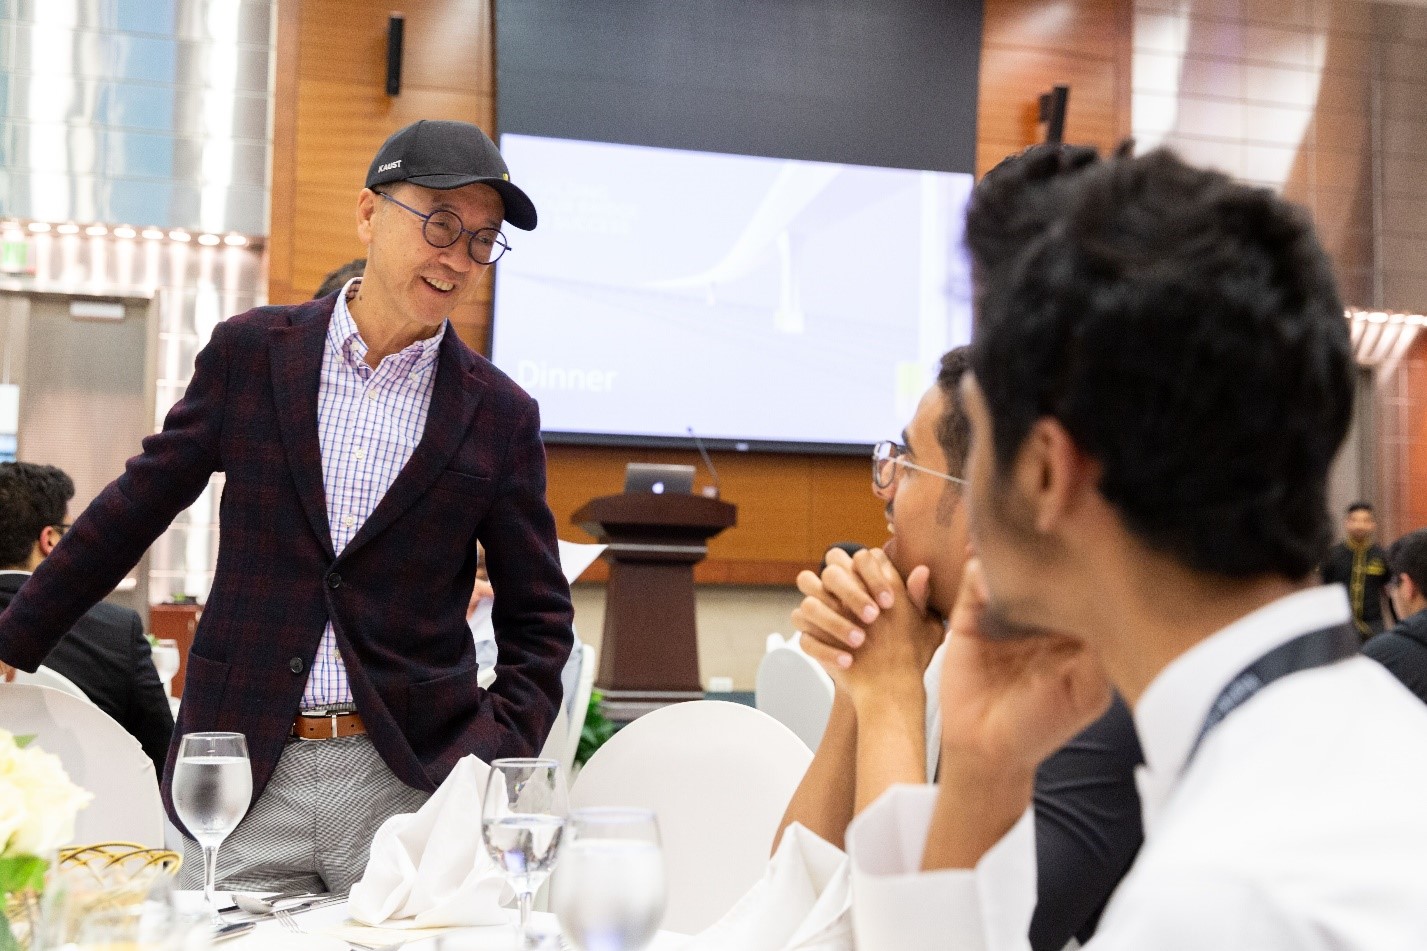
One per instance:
[(755, 300)]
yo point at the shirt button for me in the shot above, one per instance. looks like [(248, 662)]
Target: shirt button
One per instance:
[(349, 520), (295, 665), (360, 453), (372, 395), (334, 580)]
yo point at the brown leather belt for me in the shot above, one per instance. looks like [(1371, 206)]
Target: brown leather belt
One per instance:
[(316, 725)]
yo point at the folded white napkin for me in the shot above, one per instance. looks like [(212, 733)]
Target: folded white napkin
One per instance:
[(430, 869), (803, 902)]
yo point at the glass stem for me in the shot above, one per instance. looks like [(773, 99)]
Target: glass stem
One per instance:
[(210, 876), (525, 897)]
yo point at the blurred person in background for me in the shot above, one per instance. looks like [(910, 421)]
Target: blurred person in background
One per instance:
[(1358, 564), (340, 278), (105, 652), (1403, 648)]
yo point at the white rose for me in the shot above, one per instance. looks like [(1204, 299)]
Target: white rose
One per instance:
[(12, 814), (50, 801)]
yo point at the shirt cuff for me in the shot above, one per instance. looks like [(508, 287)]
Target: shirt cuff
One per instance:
[(897, 906)]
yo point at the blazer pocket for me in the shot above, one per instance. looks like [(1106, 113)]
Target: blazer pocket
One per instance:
[(463, 483), (438, 710), (204, 684)]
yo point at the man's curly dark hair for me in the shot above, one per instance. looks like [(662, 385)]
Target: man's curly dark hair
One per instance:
[(1187, 332)]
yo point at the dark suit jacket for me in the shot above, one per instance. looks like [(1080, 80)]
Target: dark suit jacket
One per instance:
[(108, 657), (396, 595), (1403, 651)]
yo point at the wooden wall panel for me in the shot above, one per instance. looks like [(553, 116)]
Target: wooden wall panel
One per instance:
[(332, 113), (1028, 46)]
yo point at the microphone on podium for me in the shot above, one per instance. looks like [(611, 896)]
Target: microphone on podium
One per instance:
[(709, 491)]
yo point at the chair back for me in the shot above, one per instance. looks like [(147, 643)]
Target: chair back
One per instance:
[(794, 690), (719, 776), (99, 755), (47, 677), (580, 702)]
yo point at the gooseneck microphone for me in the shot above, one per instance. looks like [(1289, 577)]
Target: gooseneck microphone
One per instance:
[(711, 491)]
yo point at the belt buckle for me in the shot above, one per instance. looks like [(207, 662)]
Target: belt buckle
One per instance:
[(330, 716)]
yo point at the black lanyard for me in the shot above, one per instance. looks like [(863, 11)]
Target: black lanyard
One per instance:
[(1314, 649)]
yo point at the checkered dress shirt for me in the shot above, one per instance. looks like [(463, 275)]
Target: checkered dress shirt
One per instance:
[(368, 424)]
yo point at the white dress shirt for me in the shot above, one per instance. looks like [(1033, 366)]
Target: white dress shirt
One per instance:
[(1298, 824)]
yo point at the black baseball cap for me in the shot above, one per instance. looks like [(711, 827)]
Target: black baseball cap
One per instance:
[(437, 153)]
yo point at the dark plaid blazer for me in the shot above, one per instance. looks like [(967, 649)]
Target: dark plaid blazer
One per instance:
[(396, 595)]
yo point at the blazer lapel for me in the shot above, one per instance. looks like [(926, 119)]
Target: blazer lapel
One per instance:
[(454, 397), (296, 352)]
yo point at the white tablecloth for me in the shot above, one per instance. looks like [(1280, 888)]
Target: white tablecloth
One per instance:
[(326, 927)]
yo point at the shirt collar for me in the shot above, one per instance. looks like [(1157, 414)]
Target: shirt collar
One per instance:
[(346, 340), (1172, 709)]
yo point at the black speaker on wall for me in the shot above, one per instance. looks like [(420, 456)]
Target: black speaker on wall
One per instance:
[(1052, 112), (395, 31)]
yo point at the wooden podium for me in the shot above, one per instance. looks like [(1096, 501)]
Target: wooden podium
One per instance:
[(650, 653)]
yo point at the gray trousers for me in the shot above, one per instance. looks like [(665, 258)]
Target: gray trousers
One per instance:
[(312, 827)]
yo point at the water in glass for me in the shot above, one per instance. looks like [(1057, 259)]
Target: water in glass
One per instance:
[(211, 793), (609, 894), (212, 784), (522, 822)]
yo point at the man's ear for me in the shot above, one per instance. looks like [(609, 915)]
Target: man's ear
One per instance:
[(1053, 472), (49, 538), (1408, 589), (366, 210)]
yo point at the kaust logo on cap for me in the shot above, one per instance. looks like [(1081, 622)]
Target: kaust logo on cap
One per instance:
[(441, 154)]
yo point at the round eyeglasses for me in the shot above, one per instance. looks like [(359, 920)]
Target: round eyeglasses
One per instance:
[(888, 458), (443, 228)]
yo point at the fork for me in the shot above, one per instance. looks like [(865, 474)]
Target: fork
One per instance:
[(289, 923)]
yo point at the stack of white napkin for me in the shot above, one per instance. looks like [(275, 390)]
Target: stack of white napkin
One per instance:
[(430, 869), (803, 902)]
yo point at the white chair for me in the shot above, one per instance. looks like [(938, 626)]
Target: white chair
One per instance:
[(99, 756), (579, 702), (47, 677), (719, 775), (794, 690)]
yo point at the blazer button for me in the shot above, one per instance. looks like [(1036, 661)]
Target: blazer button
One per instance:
[(295, 665), (334, 580)]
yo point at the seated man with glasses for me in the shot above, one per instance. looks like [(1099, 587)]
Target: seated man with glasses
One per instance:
[(876, 621), (366, 451), (879, 637), (105, 652)]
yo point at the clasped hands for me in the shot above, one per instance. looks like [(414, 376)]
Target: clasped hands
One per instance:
[(1007, 702), (870, 630)]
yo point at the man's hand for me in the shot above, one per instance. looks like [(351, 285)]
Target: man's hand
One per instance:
[(479, 593), (1009, 703), (849, 595), (1006, 704), (860, 607)]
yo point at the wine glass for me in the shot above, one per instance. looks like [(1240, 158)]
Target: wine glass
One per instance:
[(609, 895), (165, 655), (212, 786), (522, 819)]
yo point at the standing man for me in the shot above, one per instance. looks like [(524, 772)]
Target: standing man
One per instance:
[(1359, 565), (1159, 386), (1403, 649), (105, 653), (366, 451)]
